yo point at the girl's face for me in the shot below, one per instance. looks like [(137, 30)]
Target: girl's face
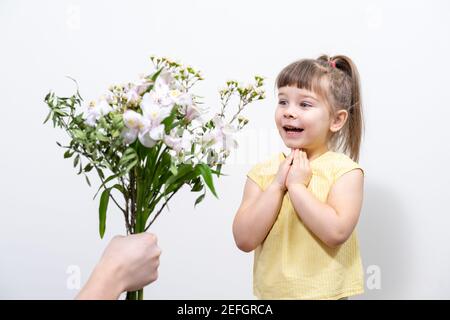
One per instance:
[(302, 119)]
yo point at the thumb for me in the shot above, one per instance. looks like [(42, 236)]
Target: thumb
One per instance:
[(295, 157), (290, 158)]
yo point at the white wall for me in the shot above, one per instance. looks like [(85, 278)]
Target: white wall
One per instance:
[(49, 221)]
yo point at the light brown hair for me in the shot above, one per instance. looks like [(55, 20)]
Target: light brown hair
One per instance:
[(335, 80)]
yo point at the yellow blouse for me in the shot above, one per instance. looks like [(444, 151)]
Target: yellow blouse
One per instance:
[(292, 263)]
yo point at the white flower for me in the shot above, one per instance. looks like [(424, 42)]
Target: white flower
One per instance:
[(90, 117), (146, 127), (173, 141), (174, 94), (129, 135), (187, 140), (149, 136), (145, 139), (109, 97), (142, 85), (161, 92), (180, 98), (103, 107), (177, 143), (152, 110), (132, 119), (157, 133), (221, 136), (185, 99), (163, 81), (132, 95), (191, 111), (95, 111), (140, 126)]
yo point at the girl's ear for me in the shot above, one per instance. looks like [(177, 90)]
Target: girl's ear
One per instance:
[(339, 120)]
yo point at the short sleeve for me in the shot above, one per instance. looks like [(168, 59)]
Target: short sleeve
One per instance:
[(346, 166), (255, 175)]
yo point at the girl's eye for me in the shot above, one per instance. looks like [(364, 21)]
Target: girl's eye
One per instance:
[(304, 104), (282, 102)]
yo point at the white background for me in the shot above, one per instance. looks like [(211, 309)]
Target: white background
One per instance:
[(48, 220)]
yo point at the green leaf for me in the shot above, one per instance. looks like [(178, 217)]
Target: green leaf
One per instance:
[(169, 120), (79, 134), (48, 117), (68, 154), (106, 181), (156, 74), (100, 173), (102, 137), (128, 154), (173, 169), (129, 159), (218, 169), (76, 160), (60, 112), (205, 171), (199, 199), (88, 167), (181, 171), (104, 199), (163, 170), (131, 165), (198, 185), (47, 96), (185, 174), (118, 187), (87, 180), (80, 170)]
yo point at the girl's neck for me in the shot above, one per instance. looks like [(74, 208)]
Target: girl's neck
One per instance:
[(315, 153)]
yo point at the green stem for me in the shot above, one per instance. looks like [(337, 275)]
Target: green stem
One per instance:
[(139, 224), (139, 205), (135, 295)]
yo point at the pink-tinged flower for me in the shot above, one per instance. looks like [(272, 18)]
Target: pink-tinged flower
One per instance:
[(191, 111)]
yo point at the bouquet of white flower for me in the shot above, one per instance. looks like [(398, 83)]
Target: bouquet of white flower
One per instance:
[(147, 139)]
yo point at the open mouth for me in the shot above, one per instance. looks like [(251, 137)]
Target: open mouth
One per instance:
[(292, 129)]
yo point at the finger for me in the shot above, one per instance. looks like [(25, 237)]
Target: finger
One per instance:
[(306, 160), (292, 153), (290, 157), (304, 157), (299, 159), (287, 156), (151, 237), (296, 158)]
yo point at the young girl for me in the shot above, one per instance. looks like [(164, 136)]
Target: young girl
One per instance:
[(299, 211)]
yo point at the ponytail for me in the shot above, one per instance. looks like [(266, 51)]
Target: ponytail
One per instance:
[(345, 89)]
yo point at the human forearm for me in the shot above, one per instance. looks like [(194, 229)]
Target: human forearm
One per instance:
[(319, 217), (101, 285), (253, 223)]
